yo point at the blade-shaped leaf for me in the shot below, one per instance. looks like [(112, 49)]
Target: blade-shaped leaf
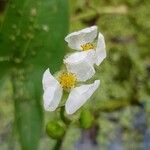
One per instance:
[(32, 37)]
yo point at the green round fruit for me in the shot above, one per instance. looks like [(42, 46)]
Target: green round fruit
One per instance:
[(55, 129), (86, 119)]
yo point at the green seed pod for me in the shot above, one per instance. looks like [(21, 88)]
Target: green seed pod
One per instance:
[(55, 129), (86, 119)]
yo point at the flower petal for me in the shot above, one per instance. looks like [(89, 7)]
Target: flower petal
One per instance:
[(52, 96), (76, 39), (79, 95), (81, 64), (77, 57), (100, 49), (48, 80)]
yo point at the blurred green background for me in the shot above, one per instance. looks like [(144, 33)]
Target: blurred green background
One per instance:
[(32, 39)]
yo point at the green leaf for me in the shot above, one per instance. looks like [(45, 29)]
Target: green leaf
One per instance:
[(32, 37), (4, 65), (28, 112), (32, 32)]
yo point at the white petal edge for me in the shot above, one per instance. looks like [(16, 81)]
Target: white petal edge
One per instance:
[(52, 96), (48, 80), (76, 39), (81, 65), (100, 50), (79, 95)]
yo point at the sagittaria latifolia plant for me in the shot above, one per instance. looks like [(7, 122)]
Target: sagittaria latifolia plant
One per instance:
[(79, 69)]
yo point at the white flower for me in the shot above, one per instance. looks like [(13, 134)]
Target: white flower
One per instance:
[(87, 54), (53, 91)]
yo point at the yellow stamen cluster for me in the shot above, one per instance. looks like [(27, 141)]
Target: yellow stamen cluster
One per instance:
[(87, 46), (67, 80)]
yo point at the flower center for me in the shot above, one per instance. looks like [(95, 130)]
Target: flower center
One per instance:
[(87, 46), (67, 80)]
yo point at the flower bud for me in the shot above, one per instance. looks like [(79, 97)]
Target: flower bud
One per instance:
[(86, 119), (55, 129)]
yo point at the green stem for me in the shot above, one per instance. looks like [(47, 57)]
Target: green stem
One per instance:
[(63, 117), (58, 144)]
